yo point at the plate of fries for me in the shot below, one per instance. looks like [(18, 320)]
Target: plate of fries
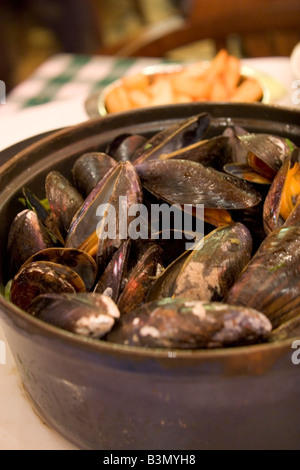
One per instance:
[(224, 79)]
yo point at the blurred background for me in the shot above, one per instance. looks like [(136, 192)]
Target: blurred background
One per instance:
[(31, 30)]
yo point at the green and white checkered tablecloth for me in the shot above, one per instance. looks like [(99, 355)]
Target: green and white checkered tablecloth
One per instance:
[(65, 76)]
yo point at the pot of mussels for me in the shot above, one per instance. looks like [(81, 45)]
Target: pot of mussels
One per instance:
[(150, 276)]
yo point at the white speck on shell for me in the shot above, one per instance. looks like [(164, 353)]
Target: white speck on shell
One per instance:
[(94, 325), (197, 309), (150, 331), (108, 292), (111, 307)]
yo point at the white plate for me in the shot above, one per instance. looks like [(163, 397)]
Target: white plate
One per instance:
[(295, 61)]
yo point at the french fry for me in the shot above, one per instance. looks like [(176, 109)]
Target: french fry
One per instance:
[(139, 81), (217, 65), (232, 74), (248, 91), (197, 88), (180, 98), (118, 100), (219, 90), (138, 98), (220, 80), (161, 92)]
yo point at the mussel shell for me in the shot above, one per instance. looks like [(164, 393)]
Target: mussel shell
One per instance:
[(121, 180), (110, 282), (288, 329), (164, 285), (125, 146), (185, 182), (42, 277), (174, 137), (78, 260), (89, 169), (272, 203), (27, 236), (270, 149), (187, 324), (209, 152), (214, 265), (270, 283), (140, 279), (63, 198), (89, 314), (127, 185), (236, 151), (294, 217), (245, 172)]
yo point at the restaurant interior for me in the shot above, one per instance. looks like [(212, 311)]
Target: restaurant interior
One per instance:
[(184, 30)]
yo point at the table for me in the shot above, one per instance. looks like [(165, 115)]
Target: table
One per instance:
[(51, 98)]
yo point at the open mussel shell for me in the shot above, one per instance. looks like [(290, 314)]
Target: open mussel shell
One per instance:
[(174, 137), (209, 152), (126, 194), (140, 279), (88, 314), (187, 324), (283, 195), (270, 282), (215, 263), (245, 172), (27, 236), (64, 199), (78, 260), (42, 277), (89, 224), (294, 217), (89, 169), (125, 146), (236, 151), (266, 152), (185, 182), (110, 283), (288, 329)]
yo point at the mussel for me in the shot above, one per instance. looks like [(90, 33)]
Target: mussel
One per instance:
[(185, 182), (89, 169), (88, 314), (283, 194), (175, 137), (212, 268), (27, 236), (64, 199), (90, 226), (42, 277), (125, 146), (270, 283), (189, 324)]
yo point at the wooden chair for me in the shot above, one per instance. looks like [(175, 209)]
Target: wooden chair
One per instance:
[(265, 28)]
